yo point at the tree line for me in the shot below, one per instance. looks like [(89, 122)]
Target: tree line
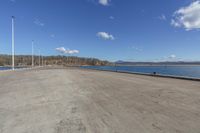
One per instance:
[(26, 60)]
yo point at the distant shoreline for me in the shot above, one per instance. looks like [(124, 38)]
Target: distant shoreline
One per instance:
[(162, 65)]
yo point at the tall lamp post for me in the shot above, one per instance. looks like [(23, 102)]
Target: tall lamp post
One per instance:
[(13, 44)]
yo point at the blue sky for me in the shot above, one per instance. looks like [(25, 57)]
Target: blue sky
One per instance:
[(132, 30)]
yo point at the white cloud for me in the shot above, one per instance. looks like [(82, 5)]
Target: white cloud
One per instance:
[(66, 51), (173, 56), (38, 22), (104, 2), (162, 17), (105, 36), (111, 17), (187, 17), (175, 24)]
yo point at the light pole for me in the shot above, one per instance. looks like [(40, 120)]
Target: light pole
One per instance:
[(32, 54), (13, 44)]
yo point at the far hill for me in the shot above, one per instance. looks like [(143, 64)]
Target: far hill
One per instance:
[(26, 60)]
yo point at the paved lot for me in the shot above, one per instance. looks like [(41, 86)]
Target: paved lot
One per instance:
[(88, 101)]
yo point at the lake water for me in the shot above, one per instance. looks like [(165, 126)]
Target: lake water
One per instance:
[(5, 68), (185, 71), (8, 68)]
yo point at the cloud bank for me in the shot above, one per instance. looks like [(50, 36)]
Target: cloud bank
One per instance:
[(187, 17), (105, 36), (66, 51)]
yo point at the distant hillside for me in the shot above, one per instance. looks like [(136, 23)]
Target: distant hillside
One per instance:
[(26, 60)]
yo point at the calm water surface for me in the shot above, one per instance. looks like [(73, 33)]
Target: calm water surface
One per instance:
[(5, 68), (186, 71), (8, 68)]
